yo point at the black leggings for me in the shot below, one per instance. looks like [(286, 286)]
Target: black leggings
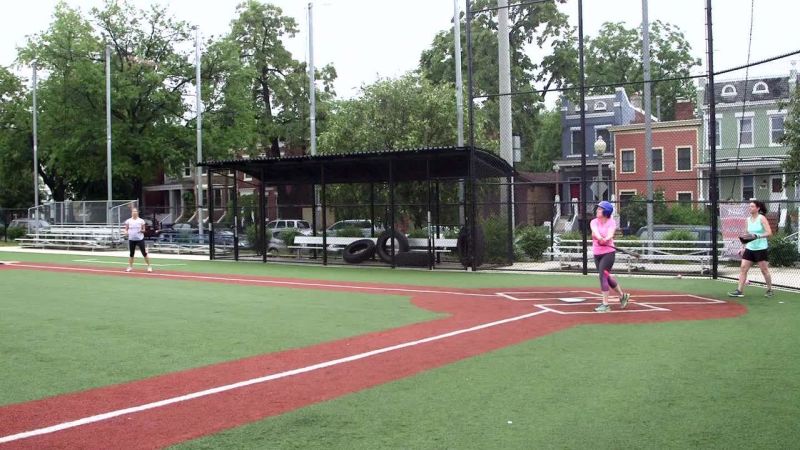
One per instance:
[(604, 264), (132, 247)]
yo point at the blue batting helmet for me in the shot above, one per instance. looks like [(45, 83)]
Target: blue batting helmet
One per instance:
[(607, 208)]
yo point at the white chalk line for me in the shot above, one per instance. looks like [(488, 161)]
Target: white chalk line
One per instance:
[(97, 261), (153, 405), (259, 281)]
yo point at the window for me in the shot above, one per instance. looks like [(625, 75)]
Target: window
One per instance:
[(628, 161), (761, 88), (747, 187), (218, 197), (777, 185), (187, 171), (684, 159), (577, 142), (717, 133), (746, 131), (729, 90), (600, 106), (775, 129), (625, 198), (685, 198), (605, 134), (658, 159), (247, 177)]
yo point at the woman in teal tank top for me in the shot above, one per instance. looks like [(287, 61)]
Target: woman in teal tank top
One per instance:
[(755, 251)]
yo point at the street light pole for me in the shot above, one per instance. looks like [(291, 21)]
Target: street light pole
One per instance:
[(599, 149)]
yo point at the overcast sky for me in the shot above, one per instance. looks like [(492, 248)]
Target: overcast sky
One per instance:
[(367, 39)]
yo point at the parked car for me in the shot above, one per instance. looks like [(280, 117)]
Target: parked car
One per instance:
[(365, 225), (278, 225), (32, 225), (225, 237)]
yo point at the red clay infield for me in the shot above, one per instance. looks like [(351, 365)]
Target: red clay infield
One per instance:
[(176, 407)]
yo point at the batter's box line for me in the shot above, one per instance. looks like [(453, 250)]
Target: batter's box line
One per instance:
[(512, 295), (548, 308)]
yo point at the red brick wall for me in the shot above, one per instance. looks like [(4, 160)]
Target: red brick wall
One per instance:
[(667, 139)]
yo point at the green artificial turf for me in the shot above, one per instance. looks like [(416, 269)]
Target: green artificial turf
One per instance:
[(729, 383), (66, 332)]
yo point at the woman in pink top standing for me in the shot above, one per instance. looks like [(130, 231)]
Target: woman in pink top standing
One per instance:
[(603, 228)]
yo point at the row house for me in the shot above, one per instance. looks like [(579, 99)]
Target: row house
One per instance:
[(750, 117), (602, 113), (675, 158)]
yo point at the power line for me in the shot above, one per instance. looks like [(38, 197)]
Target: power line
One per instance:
[(658, 80)]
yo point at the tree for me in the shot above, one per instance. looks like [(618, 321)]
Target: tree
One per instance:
[(546, 143), (15, 143), (149, 80), (541, 25), (791, 139), (614, 57), (392, 114), (260, 67)]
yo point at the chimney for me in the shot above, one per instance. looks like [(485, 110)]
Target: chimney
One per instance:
[(636, 101), (684, 109)]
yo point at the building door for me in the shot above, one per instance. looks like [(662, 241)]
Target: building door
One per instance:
[(574, 191), (775, 193)]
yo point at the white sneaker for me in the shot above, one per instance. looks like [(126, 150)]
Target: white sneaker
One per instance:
[(149, 269), (128, 269)]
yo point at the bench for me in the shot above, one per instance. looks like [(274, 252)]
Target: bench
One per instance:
[(338, 243), (62, 243), (650, 251)]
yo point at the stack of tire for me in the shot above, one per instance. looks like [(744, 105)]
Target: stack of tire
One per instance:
[(364, 249)]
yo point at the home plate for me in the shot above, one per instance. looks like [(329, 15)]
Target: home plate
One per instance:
[(572, 299)]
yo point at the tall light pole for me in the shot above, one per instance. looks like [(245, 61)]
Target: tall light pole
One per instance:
[(108, 134), (648, 128), (35, 145), (312, 89), (459, 101), (599, 149), (199, 107)]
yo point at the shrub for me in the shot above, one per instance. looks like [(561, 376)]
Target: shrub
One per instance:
[(418, 233), (782, 251), (683, 215), (628, 241), (679, 235), (495, 231), (288, 235), (349, 232), (16, 232), (533, 241), (252, 236)]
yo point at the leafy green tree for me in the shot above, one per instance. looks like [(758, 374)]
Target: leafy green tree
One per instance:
[(541, 25), (150, 76), (791, 139), (267, 83), (614, 57), (15, 143), (546, 143), (391, 114)]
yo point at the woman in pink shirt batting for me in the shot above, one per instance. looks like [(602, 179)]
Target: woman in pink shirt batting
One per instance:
[(603, 228)]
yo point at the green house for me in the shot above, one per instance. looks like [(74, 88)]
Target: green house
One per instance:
[(750, 118)]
